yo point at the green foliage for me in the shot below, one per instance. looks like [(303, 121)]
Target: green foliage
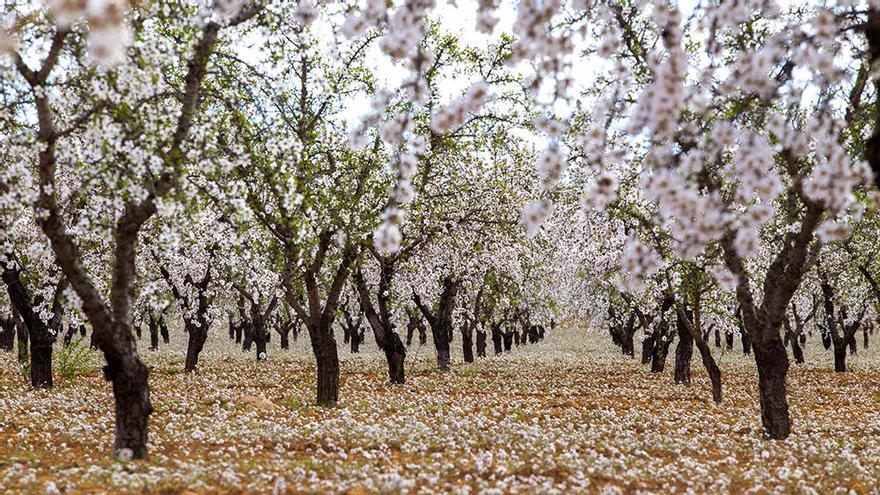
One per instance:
[(25, 368), (75, 359)]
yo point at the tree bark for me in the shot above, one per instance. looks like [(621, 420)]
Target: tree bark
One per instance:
[(772, 363), (23, 344), (154, 334), (467, 343), (648, 343), (746, 342), (130, 392), (441, 321), (481, 343), (7, 334), (683, 351), (198, 334), (328, 369), (496, 338), (163, 330)]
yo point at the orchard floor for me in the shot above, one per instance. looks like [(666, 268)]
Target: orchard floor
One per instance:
[(565, 416)]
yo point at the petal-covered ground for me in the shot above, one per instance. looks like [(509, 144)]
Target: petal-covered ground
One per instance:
[(567, 415)]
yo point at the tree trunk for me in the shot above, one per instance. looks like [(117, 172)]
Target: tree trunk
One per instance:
[(746, 342), (410, 330), (441, 343), (865, 335), (467, 343), (328, 369), (627, 344), (712, 369), (717, 337), (68, 335), (154, 334), (772, 362), (259, 339), (648, 347), (839, 356), (395, 353), (797, 351), (41, 364), (356, 337), (481, 343), (508, 340), (658, 358), (22, 333), (728, 340), (683, 353), (285, 338), (852, 344), (7, 334), (196, 342), (131, 396), (163, 330), (248, 339)]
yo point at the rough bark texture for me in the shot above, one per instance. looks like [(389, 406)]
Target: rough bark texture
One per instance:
[(380, 320), (683, 351), (763, 322), (441, 320), (32, 328), (772, 363), (319, 317), (197, 325)]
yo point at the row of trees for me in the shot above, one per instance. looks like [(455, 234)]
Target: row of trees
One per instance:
[(186, 182), (292, 156)]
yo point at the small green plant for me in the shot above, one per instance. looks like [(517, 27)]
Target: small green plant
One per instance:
[(74, 359), (25, 367)]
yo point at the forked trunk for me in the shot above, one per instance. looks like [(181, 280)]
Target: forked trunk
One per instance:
[(658, 358)]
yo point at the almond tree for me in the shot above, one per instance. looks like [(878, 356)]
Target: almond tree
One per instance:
[(144, 166)]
